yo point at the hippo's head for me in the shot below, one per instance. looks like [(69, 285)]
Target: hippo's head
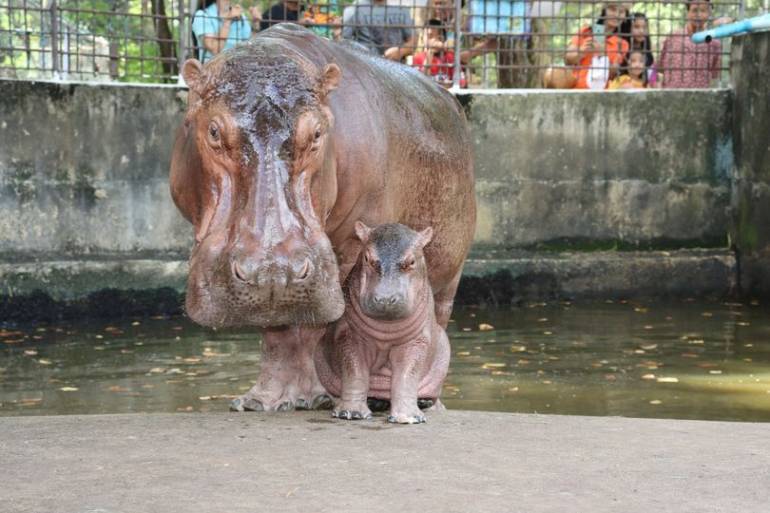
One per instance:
[(253, 170), (392, 274)]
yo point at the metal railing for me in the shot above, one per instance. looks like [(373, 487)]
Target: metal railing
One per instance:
[(495, 43)]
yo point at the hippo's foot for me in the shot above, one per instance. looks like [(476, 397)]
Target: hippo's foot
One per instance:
[(411, 415), (253, 402), (351, 410)]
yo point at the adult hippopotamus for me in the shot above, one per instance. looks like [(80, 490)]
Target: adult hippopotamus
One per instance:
[(288, 140)]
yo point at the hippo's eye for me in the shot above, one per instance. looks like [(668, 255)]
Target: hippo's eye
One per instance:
[(214, 134), (407, 265), (317, 134)]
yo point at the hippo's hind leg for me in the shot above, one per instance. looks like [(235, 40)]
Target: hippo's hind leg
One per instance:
[(287, 378)]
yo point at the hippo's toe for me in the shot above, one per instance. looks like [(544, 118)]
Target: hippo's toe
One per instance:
[(321, 402), (407, 419), (246, 404)]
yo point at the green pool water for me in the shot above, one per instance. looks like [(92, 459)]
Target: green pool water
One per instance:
[(686, 359)]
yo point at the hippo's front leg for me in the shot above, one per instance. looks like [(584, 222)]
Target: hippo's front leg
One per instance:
[(354, 370), (407, 361), (287, 377)]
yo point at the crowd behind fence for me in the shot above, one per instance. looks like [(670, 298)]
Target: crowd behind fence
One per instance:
[(494, 43)]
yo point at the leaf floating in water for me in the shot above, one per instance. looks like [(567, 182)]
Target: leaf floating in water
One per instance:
[(668, 380), (640, 309), (186, 408), (30, 352), (639, 351), (136, 323), (648, 326), (744, 345), (648, 376), (649, 347), (43, 361), (715, 371), (543, 319), (656, 401), (518, 349), (117, 388), (205, 398), (69, 389), (192, 359), (690, 355), (157, 370), (547, 333), (464, 353), (466, 329), (707, 314), (493, 365), (514, 389), (743, 323), (485, 327), (696, 341)]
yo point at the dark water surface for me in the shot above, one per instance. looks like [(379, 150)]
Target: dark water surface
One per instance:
[(688, 360)]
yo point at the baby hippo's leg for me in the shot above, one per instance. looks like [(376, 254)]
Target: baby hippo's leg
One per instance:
[(354, 370), (408, 364)]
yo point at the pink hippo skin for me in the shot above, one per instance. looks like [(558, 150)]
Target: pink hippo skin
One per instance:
[(388, 344)]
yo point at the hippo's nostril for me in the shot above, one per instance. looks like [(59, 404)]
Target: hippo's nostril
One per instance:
[(238, 272), (303, 272), (392, 300)]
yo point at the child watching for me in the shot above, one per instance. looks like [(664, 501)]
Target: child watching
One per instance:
[(633, 72), (437, 60)]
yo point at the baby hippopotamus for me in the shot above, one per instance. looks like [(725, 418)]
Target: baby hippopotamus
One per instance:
[(388, 344)]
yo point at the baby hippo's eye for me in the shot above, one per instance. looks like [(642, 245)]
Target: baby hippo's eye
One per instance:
[(407, 264)]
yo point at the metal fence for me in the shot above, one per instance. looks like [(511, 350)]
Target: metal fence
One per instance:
[(495, 43)]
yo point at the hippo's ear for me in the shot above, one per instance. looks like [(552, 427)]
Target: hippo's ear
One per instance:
[(424, 237), (330, 78), (362, 232), (191, 72)]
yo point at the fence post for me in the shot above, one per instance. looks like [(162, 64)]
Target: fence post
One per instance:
[(458, 46), (54, 40), (182, 31)]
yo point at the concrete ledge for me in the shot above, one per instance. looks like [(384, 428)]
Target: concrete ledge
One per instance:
[(53, 289), (305, 462)]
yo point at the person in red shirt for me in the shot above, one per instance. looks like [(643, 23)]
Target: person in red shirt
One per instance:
[(437, 61), (686, 64), (586, 50)]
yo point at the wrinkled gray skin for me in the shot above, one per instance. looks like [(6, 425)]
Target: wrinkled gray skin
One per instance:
[(388, 344), (288, 140)]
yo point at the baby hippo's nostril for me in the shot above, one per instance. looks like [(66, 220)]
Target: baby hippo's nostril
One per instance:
[(302, 272)]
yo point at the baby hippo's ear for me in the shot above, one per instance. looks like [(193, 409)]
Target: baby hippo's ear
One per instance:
[(362, 232), (424, 237)]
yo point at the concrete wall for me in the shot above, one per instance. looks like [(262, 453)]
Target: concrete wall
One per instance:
[(751, 226), (644, 169)]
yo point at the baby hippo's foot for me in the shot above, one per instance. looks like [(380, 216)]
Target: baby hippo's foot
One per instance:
[(406, 415), (351, 410)]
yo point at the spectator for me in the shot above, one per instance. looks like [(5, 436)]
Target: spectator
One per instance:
[(595, 54), (286, 10), (638, 38), (386, 30), (684, 63), (323, 17), (633, 72), (437, 60), (217, 26)]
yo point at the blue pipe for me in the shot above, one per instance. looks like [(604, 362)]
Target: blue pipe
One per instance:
[(739, 27)]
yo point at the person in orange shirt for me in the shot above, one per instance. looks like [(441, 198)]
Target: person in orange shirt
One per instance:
[(585, 52)]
